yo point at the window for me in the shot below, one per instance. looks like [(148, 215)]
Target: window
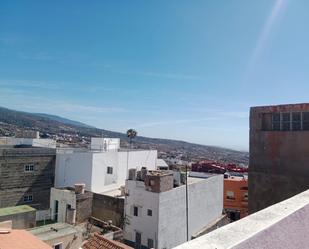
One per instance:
[(305, 121), (246, 196), (58, 246), (135, 211), (230, 195), (109, 170), (296, 121), (29, 167), (28, 198), (276, 121), (266, 121), (150, 243), (149, 212), (152, 183), (286, 121)]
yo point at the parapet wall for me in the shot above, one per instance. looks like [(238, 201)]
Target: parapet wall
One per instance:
[(283, 225)]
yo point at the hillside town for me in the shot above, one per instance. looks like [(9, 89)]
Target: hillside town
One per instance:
[(107, 196), (154, 124)]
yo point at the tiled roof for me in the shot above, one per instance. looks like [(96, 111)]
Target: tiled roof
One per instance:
[(99, 242), (21, 239)]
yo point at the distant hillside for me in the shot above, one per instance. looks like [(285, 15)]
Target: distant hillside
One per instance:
[(63, 120), (80, 134)]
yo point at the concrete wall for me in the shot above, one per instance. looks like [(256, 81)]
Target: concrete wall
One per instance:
[(108, 208), (205, 206), (21, 220), (281, 226), (278, 160), (64, 198)]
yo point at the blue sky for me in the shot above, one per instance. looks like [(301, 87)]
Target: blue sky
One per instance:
[(178, 69)]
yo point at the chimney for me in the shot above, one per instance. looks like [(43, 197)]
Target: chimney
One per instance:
[(79, 188), (143, 173)]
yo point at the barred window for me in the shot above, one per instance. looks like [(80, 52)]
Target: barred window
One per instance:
[(28, 198), (306, 121), (109, 170), (276, 121), (296, 121), (29, 167), (286, 121)]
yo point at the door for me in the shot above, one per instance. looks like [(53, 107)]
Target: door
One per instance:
[(56, 211), (138, 240)]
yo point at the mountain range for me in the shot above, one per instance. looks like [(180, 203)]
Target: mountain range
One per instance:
[(51, 125)]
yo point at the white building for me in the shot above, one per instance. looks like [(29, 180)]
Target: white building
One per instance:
[(34, 142), (102, 168), (156, 210)]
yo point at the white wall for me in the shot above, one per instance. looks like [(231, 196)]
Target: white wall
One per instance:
[(137, 160), (144, 224), (73, 168), (205, 205), (105, 144), (168, 226), (100, 178), (64, 198), (91, 167)]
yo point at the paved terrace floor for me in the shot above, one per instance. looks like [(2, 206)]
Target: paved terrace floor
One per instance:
[(283, 225)]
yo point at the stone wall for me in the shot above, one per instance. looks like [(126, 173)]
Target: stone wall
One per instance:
[(108, 208), (15, 182), (83, 206)]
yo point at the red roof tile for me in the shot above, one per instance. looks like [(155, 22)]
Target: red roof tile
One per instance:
[(21, 239), (99, 242)]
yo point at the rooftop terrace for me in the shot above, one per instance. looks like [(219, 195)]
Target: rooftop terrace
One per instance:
[(53, 231)]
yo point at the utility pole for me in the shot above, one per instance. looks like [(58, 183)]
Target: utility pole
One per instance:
[(187, 209)]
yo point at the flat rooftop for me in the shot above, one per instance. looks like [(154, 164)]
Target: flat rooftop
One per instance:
[(53, 231), (16, 210), (159, 172), (113, 193), (236, 178), (192, 180)]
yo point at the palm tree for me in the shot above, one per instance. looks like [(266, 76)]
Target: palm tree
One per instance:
[(131, 134)]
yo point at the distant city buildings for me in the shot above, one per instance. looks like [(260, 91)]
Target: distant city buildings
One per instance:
[(279, 154), (235, 196), (155, 207)]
